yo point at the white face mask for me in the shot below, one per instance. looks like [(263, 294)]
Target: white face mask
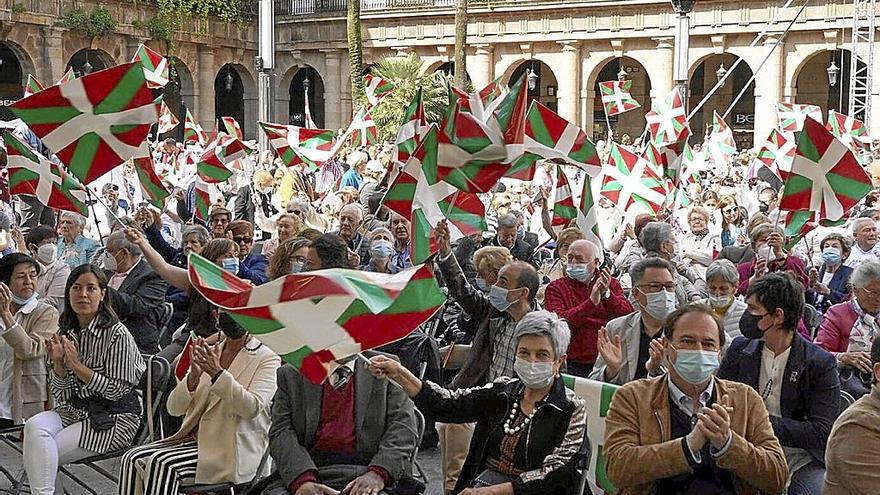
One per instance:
[(719, 302), (46, 253), (534, 375), (767, 253)]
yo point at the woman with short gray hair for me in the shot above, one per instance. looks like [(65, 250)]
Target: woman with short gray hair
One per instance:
[(848, 328), (73, 247), (503, 454), (722, 279)]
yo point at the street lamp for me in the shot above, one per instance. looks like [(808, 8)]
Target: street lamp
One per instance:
[(621, 76), (306, 84), (87, 67), (532, 79), (682, 43), (833, 71), (229, 80), (721, 72)]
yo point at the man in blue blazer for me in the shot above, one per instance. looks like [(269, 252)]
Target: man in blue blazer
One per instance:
[(797, 379)]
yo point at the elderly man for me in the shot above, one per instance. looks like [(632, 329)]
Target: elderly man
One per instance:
[(400, 229), (135, 291), (587, 297), (506, 236), (630, 347), (865, 247), (687, 432), (852, 456), (796, 378), (350, 218), (74, 248), (658, 240), (354, 177), (117, 206), (252, 265)]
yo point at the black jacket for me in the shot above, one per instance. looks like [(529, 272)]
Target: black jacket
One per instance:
[(138, 304), (548, 449), (810, 390)]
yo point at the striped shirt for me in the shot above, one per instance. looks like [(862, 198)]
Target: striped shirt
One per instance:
[(114, 357)]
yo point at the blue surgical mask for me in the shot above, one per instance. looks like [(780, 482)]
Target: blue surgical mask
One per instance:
[(20, 301), (660, 304), (481, 284), (498, 298), (831, 256), (297, 267), (578, 272), (382, 249), (695, 367), (230, 265)]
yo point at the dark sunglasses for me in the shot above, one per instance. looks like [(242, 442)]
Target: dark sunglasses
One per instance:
[(246, 240)]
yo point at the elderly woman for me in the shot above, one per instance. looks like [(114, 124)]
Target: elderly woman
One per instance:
[(770, 256), (381, 244), (529, 429), (287, 226), (733, 222), (830, 284), (698, 246), (224, 400), (290, 257), (94, 367), (849, 327), (42, 244), (722, 279), (307, 213), (249, 266), (25, 324), (488, 261), (74, 248)]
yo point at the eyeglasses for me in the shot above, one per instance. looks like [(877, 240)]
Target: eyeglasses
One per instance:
[(246, 240), (656, 287), (730, 209)]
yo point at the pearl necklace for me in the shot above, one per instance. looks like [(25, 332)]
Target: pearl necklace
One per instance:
[(510, 419)]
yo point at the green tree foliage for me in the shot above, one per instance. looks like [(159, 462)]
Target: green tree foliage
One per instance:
[(96, 23), (406, 74)]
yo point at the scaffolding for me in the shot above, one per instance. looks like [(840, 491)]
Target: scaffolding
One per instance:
[(862, 59)]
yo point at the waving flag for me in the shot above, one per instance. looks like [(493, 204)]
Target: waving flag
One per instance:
[(792, 116), (722, 146), (68, 76), (419, 195), (213, 164), (155, 67), (667, 119), (313, 319), (471, 154), (777, 154), (93, 123), (850, 130), (511, 115), (564, 210), (32, 87), (167, 120), (616, 97), (152, 187), (631, 179), (192, 131), (597, 396), (492, 95), (206, 195), (825, 175), (414, 126), (232, 127), (309, 122), (376, 88), (297, 145), (32, 174)]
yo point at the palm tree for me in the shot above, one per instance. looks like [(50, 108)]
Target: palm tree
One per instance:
[(461, 22), (355, 52), (405, 74)]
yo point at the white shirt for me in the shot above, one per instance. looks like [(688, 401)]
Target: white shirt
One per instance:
[(770, 387), (7, 359), (857, 255)]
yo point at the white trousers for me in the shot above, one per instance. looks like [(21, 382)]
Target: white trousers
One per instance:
[(47, 444)]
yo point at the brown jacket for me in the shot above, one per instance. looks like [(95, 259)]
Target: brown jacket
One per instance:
[(854, 448), (30, 394), (639, 449)]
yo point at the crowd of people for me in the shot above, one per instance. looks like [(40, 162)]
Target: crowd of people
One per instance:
[(747, 362)]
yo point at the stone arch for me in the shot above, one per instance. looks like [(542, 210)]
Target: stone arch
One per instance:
[(631, 123), (546, 83), (12, 79), (811, 82), (95, 58), (178, 94), (704, 77), (729, 56), (296, 90), (235, 96)]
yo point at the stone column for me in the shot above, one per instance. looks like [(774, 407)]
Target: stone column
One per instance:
[(205, 83), (481, 66), (569, 75), (768, 90), (661, 83), (51, 68), (345, 106), (332, 93)]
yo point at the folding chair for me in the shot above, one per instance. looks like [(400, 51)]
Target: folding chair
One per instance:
[(420, 430), (229, 487), (152, 385), (583, 465), (13, 443)]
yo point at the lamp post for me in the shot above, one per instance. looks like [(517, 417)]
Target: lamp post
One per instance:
[(720, 73), (682, 44), (833, 72), (265, 65), (621, 76)]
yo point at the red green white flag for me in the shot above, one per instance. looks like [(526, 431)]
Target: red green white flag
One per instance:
[(597, 396), (825, 175), (419, 194), (206, 195), (167, 120), (667, 119), (221, 153), (93, 123), (152, 187), (376, 88), (471, 153), (564, 210), (850, 130), (414, 126), (617, 97), (631, 179), (313, 319), (721, 145), (32, 174), (793, 116), (778, 152), (232, 127), (298, 145), (32, 87), (68, 76), (192, 131), (587, 218), (155, 67)]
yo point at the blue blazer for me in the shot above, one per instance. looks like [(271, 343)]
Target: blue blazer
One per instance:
[(810, 390), (839, 287)]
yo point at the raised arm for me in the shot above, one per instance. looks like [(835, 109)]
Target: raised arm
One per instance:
[(175, 276)]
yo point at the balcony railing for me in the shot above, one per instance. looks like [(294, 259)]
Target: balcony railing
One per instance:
[(298, 7)]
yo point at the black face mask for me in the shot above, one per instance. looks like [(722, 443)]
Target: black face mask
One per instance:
[(748, 325), (230, 328)]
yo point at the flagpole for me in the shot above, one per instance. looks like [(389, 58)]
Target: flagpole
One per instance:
[(95, 214), (608, 123)]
